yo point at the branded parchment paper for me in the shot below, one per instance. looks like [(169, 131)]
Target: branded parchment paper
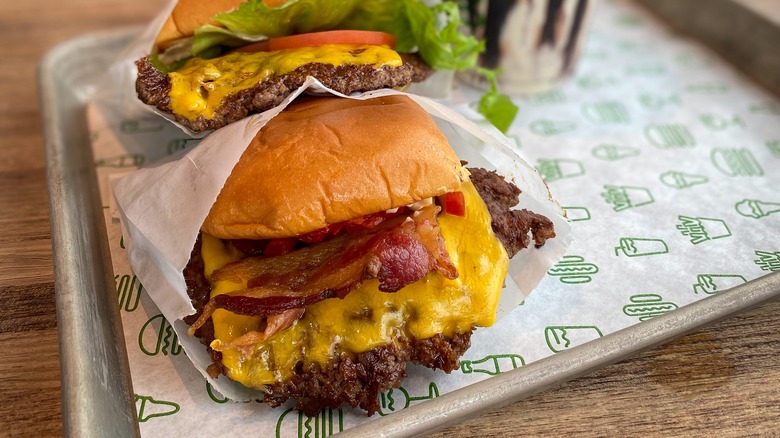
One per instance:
[(664, 157)]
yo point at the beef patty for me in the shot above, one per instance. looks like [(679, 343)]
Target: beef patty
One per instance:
[(153, 88), (358, 379)]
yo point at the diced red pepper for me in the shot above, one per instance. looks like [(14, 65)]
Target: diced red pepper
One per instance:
[(281, 246), (454, 203)]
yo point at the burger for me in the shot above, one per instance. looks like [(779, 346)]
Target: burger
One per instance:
[(214, 62), (348, 241)]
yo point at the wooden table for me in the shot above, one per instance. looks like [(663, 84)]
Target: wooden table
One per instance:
[(724, 379)]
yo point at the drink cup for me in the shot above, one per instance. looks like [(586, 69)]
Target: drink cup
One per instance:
[(639, 247), (534, 43)]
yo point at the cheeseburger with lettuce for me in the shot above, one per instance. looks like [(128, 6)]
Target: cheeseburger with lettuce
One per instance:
[(214, 62), (348, 241)]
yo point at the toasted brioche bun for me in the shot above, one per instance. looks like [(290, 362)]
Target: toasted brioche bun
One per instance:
[(189, 15), (327, 160)]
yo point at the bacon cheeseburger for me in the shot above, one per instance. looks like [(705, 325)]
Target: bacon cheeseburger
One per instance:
[(214, 62), (349, 240)]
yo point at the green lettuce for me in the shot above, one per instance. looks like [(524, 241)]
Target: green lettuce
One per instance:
[(433, 31), (497, 108)]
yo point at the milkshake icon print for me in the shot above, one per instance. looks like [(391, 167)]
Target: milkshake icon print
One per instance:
[(612, 152), (641, 247), (559, 168), (711, 284), (682, 180), (756, 209), (561, 338)]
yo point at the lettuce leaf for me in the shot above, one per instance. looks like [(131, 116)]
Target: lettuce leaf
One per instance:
[(497, 108), (433, 31)]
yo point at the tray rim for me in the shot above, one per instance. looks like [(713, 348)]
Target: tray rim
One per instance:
[(107, 412), (96, 392)]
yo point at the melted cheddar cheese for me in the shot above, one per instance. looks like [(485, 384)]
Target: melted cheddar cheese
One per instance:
[(198, 88), (367, 318)]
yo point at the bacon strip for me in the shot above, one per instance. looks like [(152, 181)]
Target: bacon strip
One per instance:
[(398, 252)]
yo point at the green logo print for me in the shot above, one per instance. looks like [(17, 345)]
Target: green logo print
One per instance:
[(607, 112), (682, 180), (590, 82), (179, 144), (702, 229), (713, 283), (611, 152), (573, 270), (164, 340), (129, 290), (768, 261), (657, 101), (669, 136), (130, 126), (774, 147), (549, 128), (122, 161), (548, 97), (561, 338), (326, 423), (148, 408), (736, 162), (577, 214), (559, 168), (399, 398), (707, 88), (646, 306), (757, 209), (717, 122), (645, 70), (215, 396), (625, 197), (692, 61), (492, 365), (641, 247), (765, 108), (628, 21)]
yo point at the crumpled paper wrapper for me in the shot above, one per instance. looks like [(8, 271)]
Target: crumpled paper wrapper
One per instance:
[(664, 157), (163, 207)]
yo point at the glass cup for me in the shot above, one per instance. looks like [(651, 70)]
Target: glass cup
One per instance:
[(534, 43)]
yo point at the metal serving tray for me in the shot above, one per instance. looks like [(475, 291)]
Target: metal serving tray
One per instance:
[(97, 395)]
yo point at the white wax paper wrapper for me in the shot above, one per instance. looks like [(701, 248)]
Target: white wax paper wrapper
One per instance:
[(164, 206), (655, 145)]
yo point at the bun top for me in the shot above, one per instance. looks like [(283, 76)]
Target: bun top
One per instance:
[(329, 159), (189, 15)]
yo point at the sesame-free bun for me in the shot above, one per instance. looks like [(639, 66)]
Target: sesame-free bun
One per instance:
[(189, 15), (326, 160)]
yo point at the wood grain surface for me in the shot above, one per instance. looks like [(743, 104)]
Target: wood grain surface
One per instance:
[(723, 380)]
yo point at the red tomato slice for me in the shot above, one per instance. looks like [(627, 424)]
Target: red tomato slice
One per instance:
[(319, 38), (454, 203)]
